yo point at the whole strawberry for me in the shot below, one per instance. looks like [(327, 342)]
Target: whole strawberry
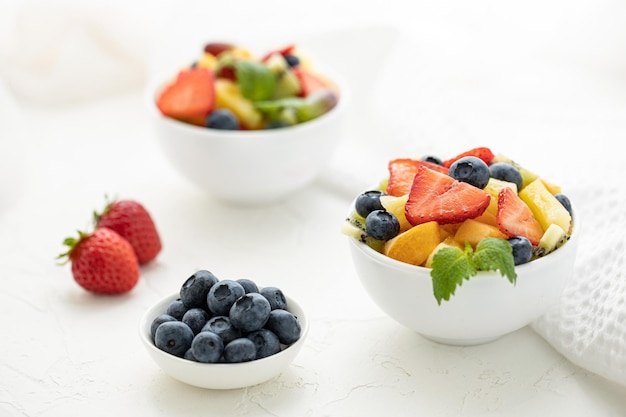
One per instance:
[(102, 262), (132, 221)]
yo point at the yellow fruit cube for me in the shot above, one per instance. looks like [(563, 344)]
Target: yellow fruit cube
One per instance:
[(473, 231), (395, 206), (545, 207), (414, 245), (494, 186), (228, 96), (208, 61)]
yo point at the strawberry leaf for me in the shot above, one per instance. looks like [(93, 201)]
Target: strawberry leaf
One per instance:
[(450, 267)]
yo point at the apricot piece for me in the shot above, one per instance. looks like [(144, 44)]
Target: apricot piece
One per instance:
[(414, 245)]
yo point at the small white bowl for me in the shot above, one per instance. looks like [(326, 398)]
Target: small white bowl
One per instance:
[(221, 376), (252, 167), (483, 308)]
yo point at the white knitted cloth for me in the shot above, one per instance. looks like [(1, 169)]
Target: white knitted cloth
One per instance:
[(589, 325)]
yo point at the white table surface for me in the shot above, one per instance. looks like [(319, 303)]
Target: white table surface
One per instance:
[(65, 352)]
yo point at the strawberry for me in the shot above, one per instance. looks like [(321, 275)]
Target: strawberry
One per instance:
[(132, 221), (103, 262), (401, 174), (191, 95), (310, 82), (216, 48), (435, 196), (514, 217), (483, 153)]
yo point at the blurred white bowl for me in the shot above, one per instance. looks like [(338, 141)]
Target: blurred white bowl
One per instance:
[(250, 167), (484, 308), (221, 375)]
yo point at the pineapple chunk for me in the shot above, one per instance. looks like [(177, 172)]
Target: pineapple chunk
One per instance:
[(395, 206), (207, 61), (228, 96), (494, 186), (545, 207)]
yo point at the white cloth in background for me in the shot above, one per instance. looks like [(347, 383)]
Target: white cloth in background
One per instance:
[(541, 103)]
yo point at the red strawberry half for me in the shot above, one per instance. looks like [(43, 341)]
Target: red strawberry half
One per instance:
[(483, 153), (401, 174), (435, 196), (190, 96), (515, 218), (102, 262), (133, 222)]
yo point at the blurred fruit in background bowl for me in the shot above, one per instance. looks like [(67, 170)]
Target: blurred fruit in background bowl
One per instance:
[(248, 130)]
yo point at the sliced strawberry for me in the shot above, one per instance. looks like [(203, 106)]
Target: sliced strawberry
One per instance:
[(310, 81), (283, 51), (401, 174), (191, 95), (435, 196), (483, 153), (515, 218)]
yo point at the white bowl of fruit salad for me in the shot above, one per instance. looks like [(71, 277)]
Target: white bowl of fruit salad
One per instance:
[(249, 129), (224, 334), (463, 250)]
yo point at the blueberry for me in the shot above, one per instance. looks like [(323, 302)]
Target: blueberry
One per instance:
[(240, 350), (292, 60), (177, 309), (207, 347), (275, 296), (506, 172), (432, 160), (160, 319), (195, 318), (250, 312), (223, 295), (284, 325), (522, 249), (367, 202), (277, 124), (222, 119), (195, 289), (222, 326), (173, 337), (266, 343), (382, 225), (564, 200), (189, 355), (471, 170), (248, 285)]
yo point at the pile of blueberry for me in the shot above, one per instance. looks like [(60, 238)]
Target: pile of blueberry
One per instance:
[(225, 321)]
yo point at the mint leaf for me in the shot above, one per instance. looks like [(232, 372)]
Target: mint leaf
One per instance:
[(256, 81), (450, 267), (493, 254)]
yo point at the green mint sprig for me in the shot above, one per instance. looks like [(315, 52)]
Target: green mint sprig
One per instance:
[(452, 265)]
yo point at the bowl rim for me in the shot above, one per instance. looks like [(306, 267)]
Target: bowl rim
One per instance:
[(150, 314), (158, 81)]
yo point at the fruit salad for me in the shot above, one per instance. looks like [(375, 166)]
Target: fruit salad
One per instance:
[(475, 211), (229, 88)]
